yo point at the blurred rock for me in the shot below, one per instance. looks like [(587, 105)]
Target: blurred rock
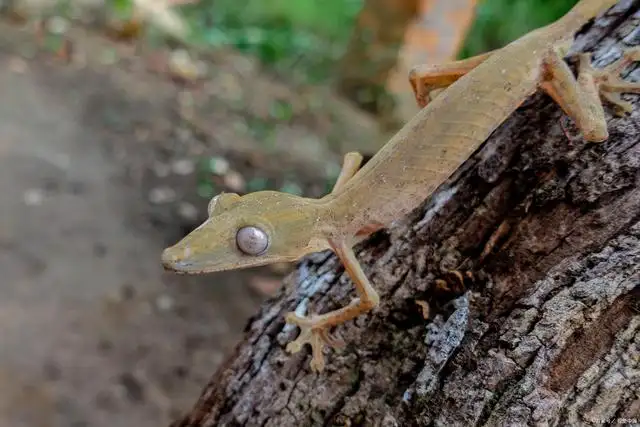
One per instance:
[(183, 167), (57, 25), (160, 195), (187, 211), (161, 170), (235, 182), (165, 303), (218, 165), (183, 67), (18, 65), (33, 197)]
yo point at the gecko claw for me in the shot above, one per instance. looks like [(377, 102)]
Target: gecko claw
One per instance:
[(316, 337)]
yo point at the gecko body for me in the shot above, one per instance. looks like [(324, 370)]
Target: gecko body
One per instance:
[(476, 96)]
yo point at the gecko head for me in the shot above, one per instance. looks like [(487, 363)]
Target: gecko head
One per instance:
[(247, 231)]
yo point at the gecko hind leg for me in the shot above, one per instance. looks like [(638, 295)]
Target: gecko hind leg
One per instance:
[(314, 329), (581, 98), (428, 80)]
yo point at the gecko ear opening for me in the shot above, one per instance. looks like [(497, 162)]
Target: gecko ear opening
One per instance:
[(221, 203)]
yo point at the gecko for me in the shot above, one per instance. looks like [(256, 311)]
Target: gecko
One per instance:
[(472, 98)]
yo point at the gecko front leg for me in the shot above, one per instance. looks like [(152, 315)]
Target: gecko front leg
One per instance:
[(350, 165), (314, 329), (581, 98)]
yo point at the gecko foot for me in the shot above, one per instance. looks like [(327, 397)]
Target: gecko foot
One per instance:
[(315, 336), (608, 80)]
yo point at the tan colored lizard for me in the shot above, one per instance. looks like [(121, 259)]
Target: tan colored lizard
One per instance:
[(481, 92)]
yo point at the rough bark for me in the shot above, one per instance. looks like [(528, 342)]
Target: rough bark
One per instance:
[(546, 332)]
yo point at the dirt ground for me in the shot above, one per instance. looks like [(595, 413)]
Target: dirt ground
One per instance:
[(97, 176)]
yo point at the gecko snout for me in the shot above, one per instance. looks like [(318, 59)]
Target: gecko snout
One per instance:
[(176, 258)]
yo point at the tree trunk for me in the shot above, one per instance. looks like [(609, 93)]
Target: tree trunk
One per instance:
[(435, 37), (373, 51), (547, 330), (391, 36)]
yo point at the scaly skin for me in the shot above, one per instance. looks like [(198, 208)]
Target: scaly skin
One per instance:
[(430, 147), (476, 96)]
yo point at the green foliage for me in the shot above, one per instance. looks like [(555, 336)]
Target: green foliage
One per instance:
[(306, 34), (500, 21), (311, 35), (121, 8)]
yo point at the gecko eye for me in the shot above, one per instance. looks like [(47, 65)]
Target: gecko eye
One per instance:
[(252, 240)]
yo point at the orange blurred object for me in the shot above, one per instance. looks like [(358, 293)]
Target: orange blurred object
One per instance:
[(435, 37)]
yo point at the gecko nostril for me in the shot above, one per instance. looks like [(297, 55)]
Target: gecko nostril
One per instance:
[(175, 256), (167, 256)]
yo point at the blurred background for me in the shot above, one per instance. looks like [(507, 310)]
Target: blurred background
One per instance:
[(120, 119)]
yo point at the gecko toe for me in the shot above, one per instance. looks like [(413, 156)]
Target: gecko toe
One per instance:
[(316, 337), (628, 56), (611, 85), (621, 107)]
